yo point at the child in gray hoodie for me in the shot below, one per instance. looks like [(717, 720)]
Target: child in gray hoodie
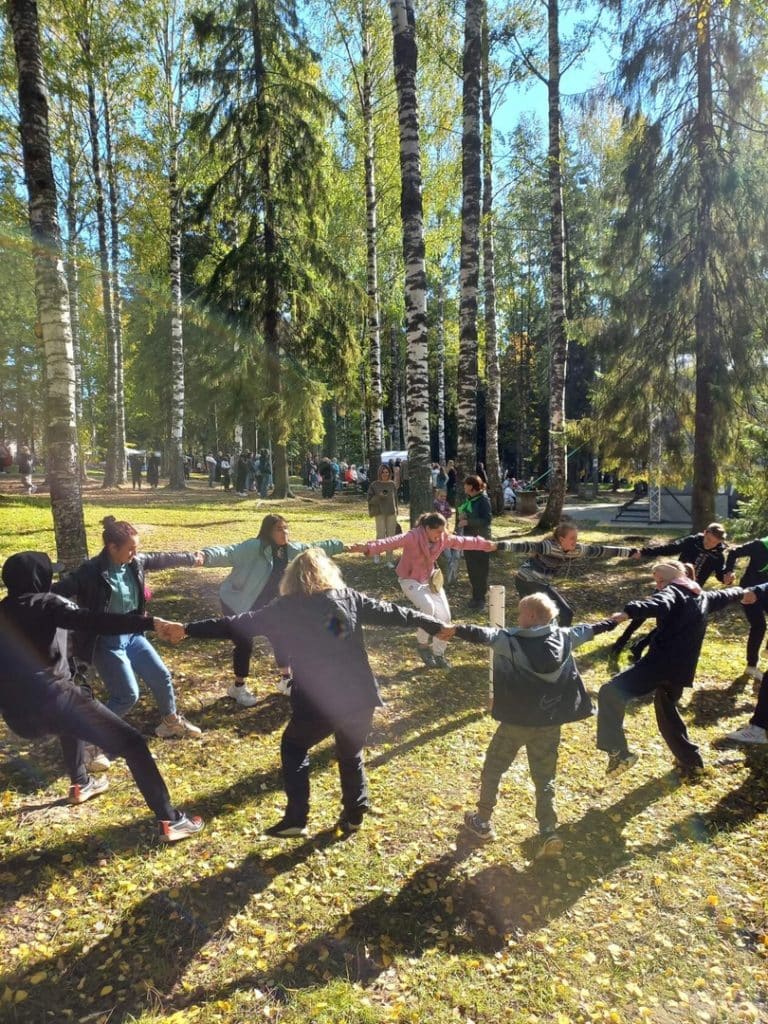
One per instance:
[(536, 689)]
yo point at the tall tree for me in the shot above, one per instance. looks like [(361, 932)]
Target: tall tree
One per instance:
[(492, 368), (170, 46), (469, 263), (50, 286), (110, 162), (558, 334), (405, 59), (692, 212), (274, 275), (112, 468)]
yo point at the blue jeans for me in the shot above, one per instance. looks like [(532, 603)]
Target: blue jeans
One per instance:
[(120, 659)]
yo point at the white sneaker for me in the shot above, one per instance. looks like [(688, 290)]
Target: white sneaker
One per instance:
[(753, 672), (376, 559), (95, 759), (176, 727), (242, 695), (748, 734)]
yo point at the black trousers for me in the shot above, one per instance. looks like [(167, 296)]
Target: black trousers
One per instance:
[(756, 619), (243, 646), (526, 587), (71, 713), (478, 564), (350, 734), (637, 681)]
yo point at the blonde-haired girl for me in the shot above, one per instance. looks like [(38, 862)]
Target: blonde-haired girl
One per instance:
[(316, 630)]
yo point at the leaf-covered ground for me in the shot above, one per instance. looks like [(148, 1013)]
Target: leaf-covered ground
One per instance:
[(657, 911)]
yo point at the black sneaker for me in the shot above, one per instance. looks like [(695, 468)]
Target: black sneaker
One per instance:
[(426, 655), (347, 824), (551, 846), (440, 661), (689, 772), (479, 827), (286, 829), (619, 761)]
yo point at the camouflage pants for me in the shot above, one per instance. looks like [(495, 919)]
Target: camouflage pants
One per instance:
[(541, 744)]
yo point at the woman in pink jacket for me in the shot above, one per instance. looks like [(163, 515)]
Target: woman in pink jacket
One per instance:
[(420, 580)]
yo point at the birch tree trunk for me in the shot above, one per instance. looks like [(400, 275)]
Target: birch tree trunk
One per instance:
[(169, 57), (73, 280), (111, 467), (176, 447), (492, 368), (376, 426), (397, 418), (50, 287), (469, 261), (117, 319), (704, 477), (558, 336), (405, 58), (440, 381)]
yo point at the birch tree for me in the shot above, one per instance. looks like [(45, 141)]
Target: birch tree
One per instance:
[(50, 286), (405, 60), (469, 263), (492, 368)]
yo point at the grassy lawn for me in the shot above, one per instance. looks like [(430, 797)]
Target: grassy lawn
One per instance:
[(657, 911)]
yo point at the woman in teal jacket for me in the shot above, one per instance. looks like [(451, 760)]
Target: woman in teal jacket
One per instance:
[(257, 569)]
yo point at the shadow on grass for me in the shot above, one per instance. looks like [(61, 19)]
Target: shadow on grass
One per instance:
[(176, 922), (444, 908), (711, 705), (25, 871)]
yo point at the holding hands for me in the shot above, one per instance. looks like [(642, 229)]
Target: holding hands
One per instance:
[(358, 549), (618, 617), (171, 632), (199, 558), (750, 597)]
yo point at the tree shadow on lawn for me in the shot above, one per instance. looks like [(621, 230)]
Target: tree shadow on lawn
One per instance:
[(23, 872), (147, 952), (440, 908)]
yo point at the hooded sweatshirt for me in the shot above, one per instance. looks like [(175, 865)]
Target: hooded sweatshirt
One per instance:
[(33, 639), (535, 679)]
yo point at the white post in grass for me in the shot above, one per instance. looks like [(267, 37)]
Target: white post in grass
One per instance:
[(496, 603)]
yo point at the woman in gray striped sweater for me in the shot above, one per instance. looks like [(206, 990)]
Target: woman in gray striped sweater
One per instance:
[(552, 559)]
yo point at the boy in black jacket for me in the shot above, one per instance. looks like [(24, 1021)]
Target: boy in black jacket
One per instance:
[(536, 689)]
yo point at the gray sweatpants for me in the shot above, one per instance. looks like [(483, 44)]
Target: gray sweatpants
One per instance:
[(541, 744)]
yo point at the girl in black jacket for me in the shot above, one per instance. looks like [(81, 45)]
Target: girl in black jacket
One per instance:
[(680, 608), (316, 630), (755, 575), (38, 697), (114, 581)]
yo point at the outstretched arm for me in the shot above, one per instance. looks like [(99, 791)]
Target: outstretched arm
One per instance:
[(69, 616), (373, 612)]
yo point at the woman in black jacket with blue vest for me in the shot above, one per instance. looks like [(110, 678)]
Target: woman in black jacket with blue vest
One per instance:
[(680, 608), (114, 581)]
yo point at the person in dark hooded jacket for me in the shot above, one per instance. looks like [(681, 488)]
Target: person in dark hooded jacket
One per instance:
[(537, 688), (38, 697), (680, 608)]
